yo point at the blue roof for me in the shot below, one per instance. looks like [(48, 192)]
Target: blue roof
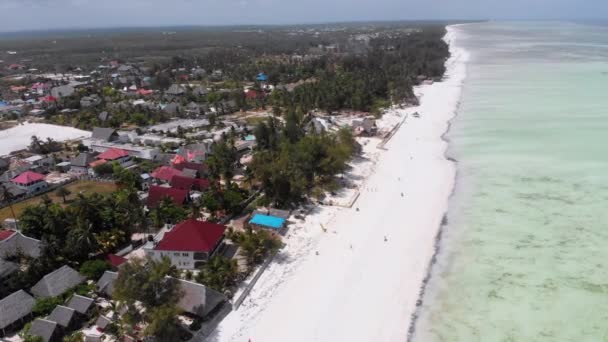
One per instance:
[(250, 137), (3, 104), (262, 77), (268, 221)]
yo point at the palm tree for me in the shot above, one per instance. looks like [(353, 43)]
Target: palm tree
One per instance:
[(257, 245), (7, 196), (219, 273), (82, 239), (63, 192), (158, 218)]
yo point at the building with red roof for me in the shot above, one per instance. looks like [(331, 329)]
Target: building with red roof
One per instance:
[(97, 163), (18, 89), (165, 173), (189, 244), (157, 193), (144, 92), (200, 168), (253, 94), (40, 88), (49, 99), (182, 182), (189, 183), (16, 66), (115, 260), (30, 181), (113, 154)]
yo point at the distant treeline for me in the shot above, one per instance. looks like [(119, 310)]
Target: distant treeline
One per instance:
[(344, 66)]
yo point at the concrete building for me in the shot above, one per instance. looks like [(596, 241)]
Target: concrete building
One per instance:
[(31, 182), (188, 245)]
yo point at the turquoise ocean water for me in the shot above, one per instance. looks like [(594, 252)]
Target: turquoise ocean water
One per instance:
[(524, 256)]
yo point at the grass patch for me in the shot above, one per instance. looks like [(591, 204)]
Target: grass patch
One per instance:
[(254, 120), (84, 187)]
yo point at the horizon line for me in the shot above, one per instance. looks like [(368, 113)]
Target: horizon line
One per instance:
[(311, 23)]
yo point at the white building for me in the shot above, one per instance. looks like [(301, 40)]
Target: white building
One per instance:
[(188, 245)]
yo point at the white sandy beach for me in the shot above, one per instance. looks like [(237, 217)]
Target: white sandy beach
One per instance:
[(367, 292), (20, 136)]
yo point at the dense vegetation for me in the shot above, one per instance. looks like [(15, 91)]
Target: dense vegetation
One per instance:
[(151, 286), (289, 164), (311, 70), (340, 66), (76, 232)]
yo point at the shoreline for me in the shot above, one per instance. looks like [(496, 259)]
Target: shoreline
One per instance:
[(411, 335), (338, 293)]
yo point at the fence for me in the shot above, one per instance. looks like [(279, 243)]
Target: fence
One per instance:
[(55, 186), (391, 133), (50, 188), (254, 280)]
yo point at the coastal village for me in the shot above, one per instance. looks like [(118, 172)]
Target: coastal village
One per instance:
[(166, 194), (169, 160)]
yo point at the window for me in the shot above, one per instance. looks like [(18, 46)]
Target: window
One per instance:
[(176, 254), (185, 254)]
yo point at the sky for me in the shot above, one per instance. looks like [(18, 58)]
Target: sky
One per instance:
[(18, 15)]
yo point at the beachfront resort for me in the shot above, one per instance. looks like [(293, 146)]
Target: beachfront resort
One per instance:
[(168, 202)]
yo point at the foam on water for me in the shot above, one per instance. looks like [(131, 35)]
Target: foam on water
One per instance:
[(524, 255)]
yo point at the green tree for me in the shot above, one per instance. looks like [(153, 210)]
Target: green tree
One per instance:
[(256, 245), (126, 178), (292, 131), (94, 269), (30, 338), (211, 202), (44, 306), (223, 159), (108, 241), (163, 324), (75, 337), (152, 284), (81, 242), (167, 212), (219, 273), (232, 197), (105, 169)]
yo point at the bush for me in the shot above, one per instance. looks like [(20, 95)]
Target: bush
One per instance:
[(94, 269), (104, 169), (44, 306), (84, 289)]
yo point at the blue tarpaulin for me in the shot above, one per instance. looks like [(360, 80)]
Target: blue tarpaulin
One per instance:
[(262, 77), (272, 222)]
